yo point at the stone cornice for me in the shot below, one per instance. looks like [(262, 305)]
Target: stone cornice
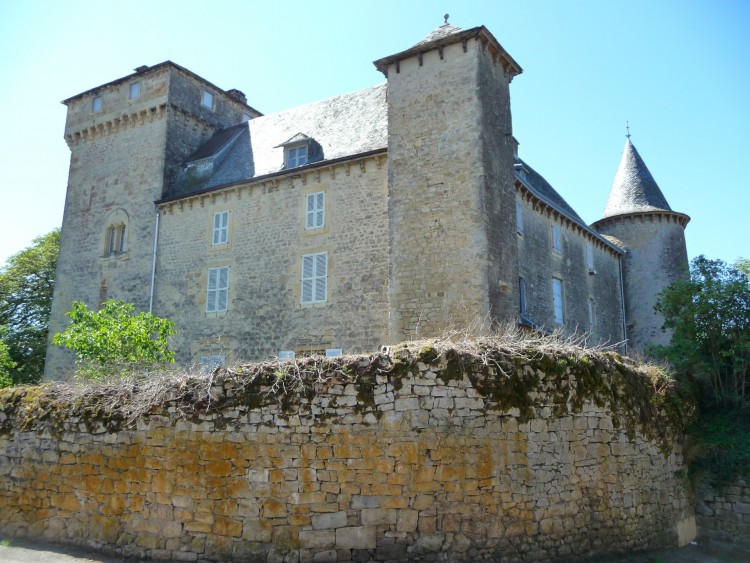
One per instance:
[(272, 182), (661, 215), (481, 33), (552, 211)]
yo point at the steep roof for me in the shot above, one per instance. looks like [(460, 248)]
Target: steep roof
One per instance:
[(542, 189), (634, 189), (438, 33), (338, 127)]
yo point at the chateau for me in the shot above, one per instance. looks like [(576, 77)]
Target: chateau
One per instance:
[(369, 218)]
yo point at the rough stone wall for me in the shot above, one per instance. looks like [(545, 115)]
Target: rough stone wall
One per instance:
[(538, 264), (723, 514), (267, 239), (656, 256), (414, 461), (437, 240)]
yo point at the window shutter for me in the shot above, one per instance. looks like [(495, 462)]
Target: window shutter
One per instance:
[(307, 278)]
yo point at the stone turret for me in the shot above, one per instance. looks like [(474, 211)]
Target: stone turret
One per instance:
[(453, 253), (638, 216)]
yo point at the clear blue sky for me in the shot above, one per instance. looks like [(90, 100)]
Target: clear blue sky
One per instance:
[(677, 70)]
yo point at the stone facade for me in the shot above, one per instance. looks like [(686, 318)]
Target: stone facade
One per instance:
[(420, 180), (415, 456), (723, 514)]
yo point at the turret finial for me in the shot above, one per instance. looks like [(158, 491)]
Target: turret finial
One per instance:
[(627, 128), (446, 16)]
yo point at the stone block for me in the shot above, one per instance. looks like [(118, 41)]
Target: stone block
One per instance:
[(317, 539), (378, 516), (356, 537), (330, 520)]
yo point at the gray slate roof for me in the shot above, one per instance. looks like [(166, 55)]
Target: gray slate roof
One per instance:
[(634, 189), (342, 126), (541, 188), (438, 33)]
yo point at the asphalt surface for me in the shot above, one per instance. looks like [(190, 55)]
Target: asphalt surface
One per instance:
[(24, 552)]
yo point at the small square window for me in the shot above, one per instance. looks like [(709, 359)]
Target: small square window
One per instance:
[(221, 228), (296, 156), (217, 290), (96, 104), (314, 278), (556, 240), (519, 218), (557, 300), (315, 214), (207, 100), (134, 91)]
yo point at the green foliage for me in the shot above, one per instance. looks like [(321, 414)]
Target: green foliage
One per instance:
[(6, 362), (26, 284), (114, 339), (720, 445), (710, 316)]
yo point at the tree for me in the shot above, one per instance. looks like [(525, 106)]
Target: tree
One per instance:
[(6, 362), (26, 284), (115, 340), (710, 316)]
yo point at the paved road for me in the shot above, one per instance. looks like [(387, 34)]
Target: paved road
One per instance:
[(45, 553)]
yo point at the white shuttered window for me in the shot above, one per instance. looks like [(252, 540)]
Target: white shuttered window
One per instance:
[(315, 210), (557, 300), (221, 227), (314, 277), (217, 290)]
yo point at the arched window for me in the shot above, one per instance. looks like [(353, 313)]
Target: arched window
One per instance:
[(116, 234)]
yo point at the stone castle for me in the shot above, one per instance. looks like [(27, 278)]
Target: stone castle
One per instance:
[(376, 216)]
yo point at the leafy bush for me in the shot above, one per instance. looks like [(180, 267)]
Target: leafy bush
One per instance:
[(115, 339)]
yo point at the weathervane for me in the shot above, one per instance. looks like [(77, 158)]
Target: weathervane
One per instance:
[(627, 128), (446, 16)]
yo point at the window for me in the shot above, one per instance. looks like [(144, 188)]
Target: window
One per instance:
[(286, 355), (245, 117), (122, 239), (556, 240), (334, 352), (111, 241), (296, 156), (221, 227), (592, 312), (96, 104), (590, 258), (314, 277), (557, 300), (207, 100), (217, 290), (519, 218), (134, 91), (522, 296), (315, 215)]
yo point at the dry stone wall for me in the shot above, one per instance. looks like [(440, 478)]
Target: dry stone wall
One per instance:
[(723, 513), (416, 454)]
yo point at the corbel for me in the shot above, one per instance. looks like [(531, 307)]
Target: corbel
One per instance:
[(362, 166), (348, 168), (317, 175), (398, 67), (463, 44), (419, 58), (332, 172), (440, 52)]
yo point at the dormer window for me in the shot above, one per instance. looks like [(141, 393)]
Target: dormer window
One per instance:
[(207, 100), (296, 156), (299, 150)]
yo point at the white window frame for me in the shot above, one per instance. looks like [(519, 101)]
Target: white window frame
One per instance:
[(314, 286), (296, 156), (96, 104), (134, 90), (519, 218), (221, 228), (556, 239), (558, 301), (315, 205), (207, 97), (217, 290)]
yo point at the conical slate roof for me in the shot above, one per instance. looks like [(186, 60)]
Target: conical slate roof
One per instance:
[(634, 189)]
